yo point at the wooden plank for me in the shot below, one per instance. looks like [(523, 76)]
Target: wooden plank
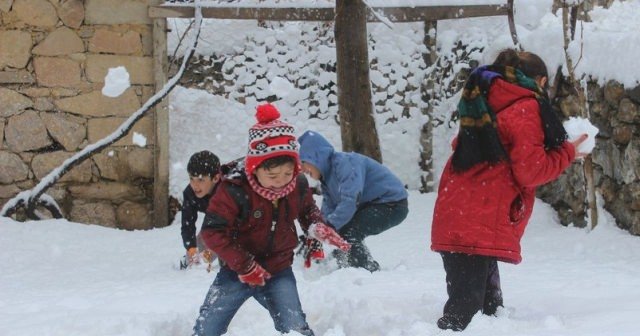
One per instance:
[(395, 14), (161, 150), (246, 13)]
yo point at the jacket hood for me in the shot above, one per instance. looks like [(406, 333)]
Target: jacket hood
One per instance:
[(316, 150), (502, 94)]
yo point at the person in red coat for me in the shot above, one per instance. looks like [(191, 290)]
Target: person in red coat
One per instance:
[(510, 141), (250, 225)]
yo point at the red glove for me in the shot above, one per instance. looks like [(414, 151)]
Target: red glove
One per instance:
[(313, 251), (257, 276), (327, 234)]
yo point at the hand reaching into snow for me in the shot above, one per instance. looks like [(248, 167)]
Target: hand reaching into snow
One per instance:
[(576, 144), (327, 234)]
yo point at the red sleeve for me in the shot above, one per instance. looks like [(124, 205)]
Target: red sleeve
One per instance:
[(218, 229), (310, 213), (532, 165)]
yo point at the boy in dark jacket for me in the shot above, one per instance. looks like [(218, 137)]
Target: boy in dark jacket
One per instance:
[(250, 225), (204, 175)]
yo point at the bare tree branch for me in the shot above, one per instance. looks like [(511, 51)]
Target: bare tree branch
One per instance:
[(568, 27)]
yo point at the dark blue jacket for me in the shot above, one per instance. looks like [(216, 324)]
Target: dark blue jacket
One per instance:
[(349, 180), (191, 205)]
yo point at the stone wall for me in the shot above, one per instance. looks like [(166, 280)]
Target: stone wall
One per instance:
[(54, 55), (615, 110)]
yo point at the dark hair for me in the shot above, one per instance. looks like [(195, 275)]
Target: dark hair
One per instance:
[(203, 163), (529, 63), (277, 161)]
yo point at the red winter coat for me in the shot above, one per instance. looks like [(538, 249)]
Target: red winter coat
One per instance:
[(485, 209), (238, 222)]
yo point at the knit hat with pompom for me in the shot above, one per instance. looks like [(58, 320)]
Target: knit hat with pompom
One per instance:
[(269, 138)]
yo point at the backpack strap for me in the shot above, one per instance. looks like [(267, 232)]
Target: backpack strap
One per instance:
[(240, 197)]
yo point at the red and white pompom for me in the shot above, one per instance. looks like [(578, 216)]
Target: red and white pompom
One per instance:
[(266, 113)]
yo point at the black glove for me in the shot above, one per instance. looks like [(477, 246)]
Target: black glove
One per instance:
[(310, 249)]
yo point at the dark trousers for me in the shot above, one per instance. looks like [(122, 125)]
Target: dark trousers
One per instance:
[(473, 284), (369, 220)]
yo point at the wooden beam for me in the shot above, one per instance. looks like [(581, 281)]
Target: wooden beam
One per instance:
[(395, 14), (161, 118), (245, 13)]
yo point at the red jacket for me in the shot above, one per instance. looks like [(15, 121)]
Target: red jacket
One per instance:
[(485, 209), (238, 225)]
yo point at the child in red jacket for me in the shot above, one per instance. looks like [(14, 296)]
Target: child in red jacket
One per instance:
[(510, 141), (250, 225)]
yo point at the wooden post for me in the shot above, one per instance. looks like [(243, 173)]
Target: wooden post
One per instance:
[(357, 125), (161, 151)]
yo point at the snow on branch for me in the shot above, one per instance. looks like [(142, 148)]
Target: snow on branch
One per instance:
[(29, 199), (379, 16)]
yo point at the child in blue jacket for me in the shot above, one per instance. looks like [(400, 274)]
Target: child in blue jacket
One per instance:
[(361, 197)]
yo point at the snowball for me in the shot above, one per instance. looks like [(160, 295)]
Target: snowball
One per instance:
[(116, 82), (575, 127)]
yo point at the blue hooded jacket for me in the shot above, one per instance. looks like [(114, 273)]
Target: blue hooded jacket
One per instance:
[(349, 180)]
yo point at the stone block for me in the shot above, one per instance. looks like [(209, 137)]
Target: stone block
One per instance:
[(111, 166), (102, 127), (18, 55), (140, 69), (107, 41), (134, 216), (43, 104), (628, 111), (67, 130), (5, 5), (140, 162), (100, 213), (613, 92), (12, 102), (39, 13), (43, 164), (62, 41), (52, 71), (34, 92), (95, 104), (16, 77), (25, 132), (13, 168), (71, 12), (112, 12), (8, 191), (112, 191)]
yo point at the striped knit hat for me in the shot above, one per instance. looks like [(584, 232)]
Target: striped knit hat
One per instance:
[(269, 138)]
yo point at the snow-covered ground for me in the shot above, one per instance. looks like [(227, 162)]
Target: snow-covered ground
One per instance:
[(62, 278)]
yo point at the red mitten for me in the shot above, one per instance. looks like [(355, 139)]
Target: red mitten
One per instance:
[(257, 276), (313, 251), (327, 234)]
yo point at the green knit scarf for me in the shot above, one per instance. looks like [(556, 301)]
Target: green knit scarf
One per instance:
[(478, 140)]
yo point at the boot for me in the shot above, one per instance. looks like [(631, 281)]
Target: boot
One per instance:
[(359, 256)]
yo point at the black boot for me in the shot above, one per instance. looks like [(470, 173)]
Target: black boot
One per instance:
[(359, 256), (449, 322)]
